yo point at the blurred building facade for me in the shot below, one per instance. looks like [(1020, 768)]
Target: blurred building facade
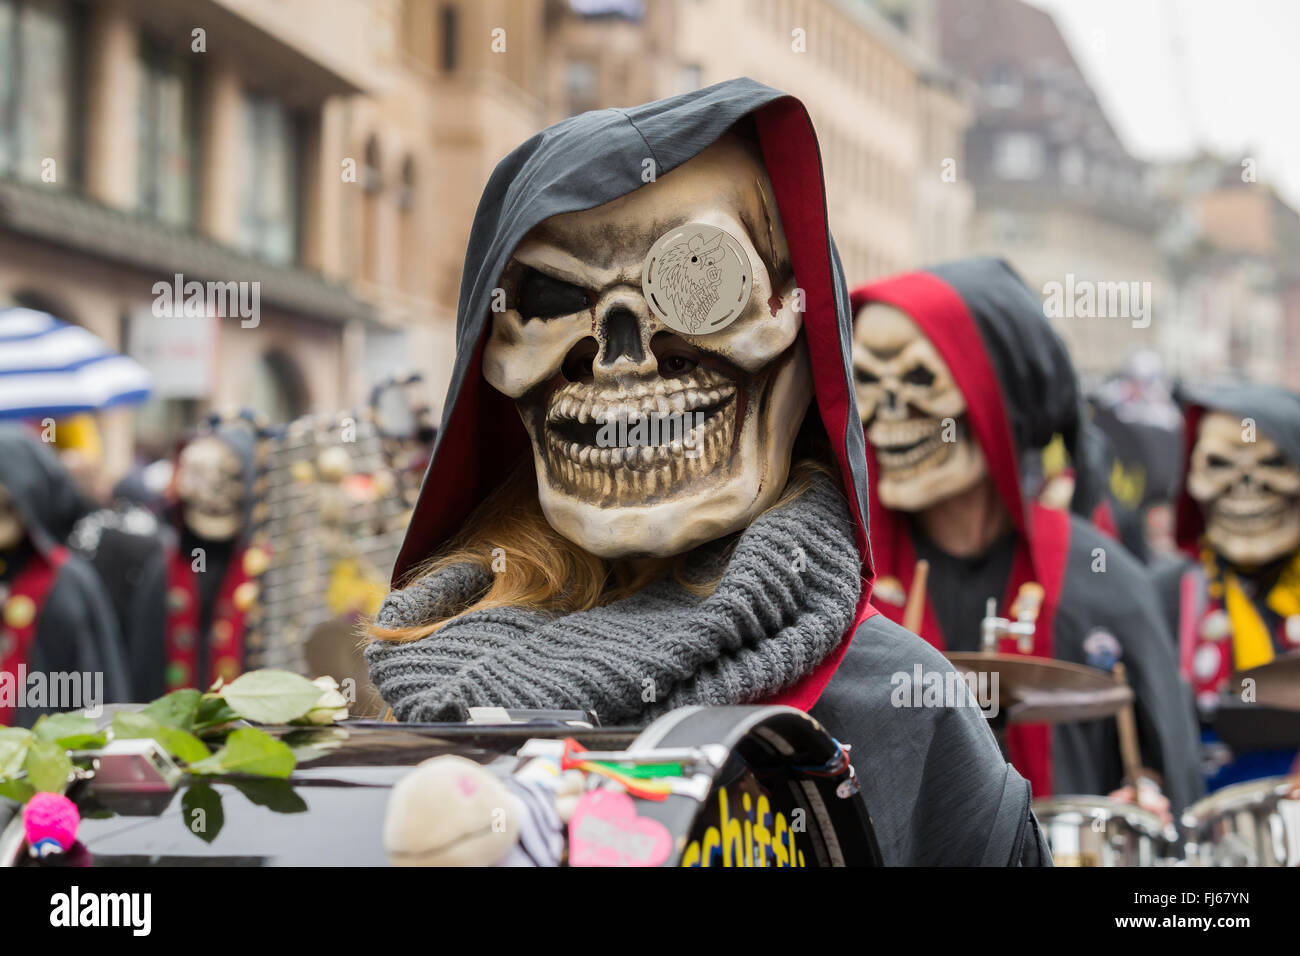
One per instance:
[(142, 141), (1056, 192), (336, 162), (1234, 250)]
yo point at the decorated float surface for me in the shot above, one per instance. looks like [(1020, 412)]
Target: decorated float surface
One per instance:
[(198, 779)]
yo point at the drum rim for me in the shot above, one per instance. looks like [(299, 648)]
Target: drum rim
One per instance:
[(1135, 816), (1239, 796)]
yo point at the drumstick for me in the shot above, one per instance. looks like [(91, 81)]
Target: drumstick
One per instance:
[(1128, 738), (914, 612)]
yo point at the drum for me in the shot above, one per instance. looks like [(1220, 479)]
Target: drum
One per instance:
[(1256, 823), (1099, 831), (779, 797)]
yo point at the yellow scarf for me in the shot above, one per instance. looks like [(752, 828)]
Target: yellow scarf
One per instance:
[(1252, 645)]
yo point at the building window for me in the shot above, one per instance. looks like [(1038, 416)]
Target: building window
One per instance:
[(408, 250), (449, 21), (276, 388), (36, 90), (372, 184), (1073, 166), (269, 213), (406, 193), (166, 186), (581, 86), (688, 78), (1002, 87), (1019, 156)]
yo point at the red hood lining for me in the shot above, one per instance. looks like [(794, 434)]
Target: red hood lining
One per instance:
[(1189, 522), (941, 313)]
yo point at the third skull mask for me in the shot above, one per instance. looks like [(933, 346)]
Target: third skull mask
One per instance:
[(1248, 492)]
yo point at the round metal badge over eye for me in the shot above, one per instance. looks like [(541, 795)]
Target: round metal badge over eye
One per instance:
[(696, 279)]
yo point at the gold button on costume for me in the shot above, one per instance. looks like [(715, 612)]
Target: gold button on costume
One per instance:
[(20, 611)]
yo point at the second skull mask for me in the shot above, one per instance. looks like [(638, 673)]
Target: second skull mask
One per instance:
[(649, 441), (913, 411)]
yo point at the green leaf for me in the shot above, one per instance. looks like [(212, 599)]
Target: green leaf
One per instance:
[(14, 742), (271, 696), (251, 751), (177, 709), (276, 795), (58, 726), (47, 766), (19, 791), (137, 726), (213, 712), (314, 742), (201, 811)]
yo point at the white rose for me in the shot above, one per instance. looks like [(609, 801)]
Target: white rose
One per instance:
[(332, 705)]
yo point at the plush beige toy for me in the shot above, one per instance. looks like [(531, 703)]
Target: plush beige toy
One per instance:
[(451, 811)]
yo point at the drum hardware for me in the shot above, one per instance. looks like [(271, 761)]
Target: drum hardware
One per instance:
[(993, 628), (1100, 831), (1256, 823)]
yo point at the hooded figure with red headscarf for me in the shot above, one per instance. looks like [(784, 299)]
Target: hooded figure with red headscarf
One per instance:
[(1234, 602), (649, 489), (60, 648), (959, 375)]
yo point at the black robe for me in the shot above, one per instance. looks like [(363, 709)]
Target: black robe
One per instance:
[(76, 631), (1266, 739), (1021, 391), (935, 785)]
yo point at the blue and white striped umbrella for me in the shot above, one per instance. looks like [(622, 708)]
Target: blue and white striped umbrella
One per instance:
[(48, 367)]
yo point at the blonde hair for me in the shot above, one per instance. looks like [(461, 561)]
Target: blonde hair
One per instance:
[(544, 570)]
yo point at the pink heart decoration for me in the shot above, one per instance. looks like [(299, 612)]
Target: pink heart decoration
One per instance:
[(606, 831)]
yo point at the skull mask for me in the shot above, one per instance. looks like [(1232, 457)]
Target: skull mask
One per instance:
[(649, 441), (210, 486), (905, 393), (11, 523), (1248, 492)]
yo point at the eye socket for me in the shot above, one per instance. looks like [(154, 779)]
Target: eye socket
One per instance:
[(675, 365), (578, 364), (1274, 461), (919, 375), (545, 297), (864, 377), (1217, 461)]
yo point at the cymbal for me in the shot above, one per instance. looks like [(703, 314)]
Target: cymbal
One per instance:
[(1277, 683), (1040, 690)]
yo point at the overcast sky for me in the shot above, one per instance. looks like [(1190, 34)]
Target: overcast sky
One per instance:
[(1173, 75)]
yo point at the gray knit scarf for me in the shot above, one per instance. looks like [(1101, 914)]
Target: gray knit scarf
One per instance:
[(788, 591)]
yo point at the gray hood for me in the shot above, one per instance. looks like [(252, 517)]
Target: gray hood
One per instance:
[(587, 161)]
